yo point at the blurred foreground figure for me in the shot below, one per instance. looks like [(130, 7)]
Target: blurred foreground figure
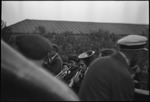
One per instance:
[(23, 80), (108, 78)]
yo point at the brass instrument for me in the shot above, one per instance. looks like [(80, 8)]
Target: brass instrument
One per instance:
[(63, 73), (72, 80), (87, 57)]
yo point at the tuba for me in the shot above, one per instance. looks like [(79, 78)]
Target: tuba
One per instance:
[(87, 57)]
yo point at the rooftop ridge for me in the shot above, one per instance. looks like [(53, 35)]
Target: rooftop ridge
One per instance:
[(58, 26), (83, 22)]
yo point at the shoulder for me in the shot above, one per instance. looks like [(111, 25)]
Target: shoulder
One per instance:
[(102, 61)]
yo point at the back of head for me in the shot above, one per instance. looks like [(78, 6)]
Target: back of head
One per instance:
[(33, 46), (73, 58), (106, 52)]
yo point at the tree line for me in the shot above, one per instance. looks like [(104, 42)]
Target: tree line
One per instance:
[(70, 43)]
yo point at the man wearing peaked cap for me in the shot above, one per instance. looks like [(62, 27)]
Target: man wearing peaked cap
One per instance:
[(109, 78), (131, 46)]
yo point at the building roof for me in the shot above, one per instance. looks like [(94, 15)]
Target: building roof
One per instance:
[(29, 26)]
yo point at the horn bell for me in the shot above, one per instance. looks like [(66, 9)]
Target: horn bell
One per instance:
[(87, 57)]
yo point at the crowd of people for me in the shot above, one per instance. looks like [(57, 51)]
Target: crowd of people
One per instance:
[(111, 76)]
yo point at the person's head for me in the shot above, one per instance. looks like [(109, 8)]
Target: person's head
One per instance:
[(136, 69), (87, 57), (65, 65), (132, 46), (34, 47), (73, 63), (82, 65), (106, 52), (54, 51), (73, 60)]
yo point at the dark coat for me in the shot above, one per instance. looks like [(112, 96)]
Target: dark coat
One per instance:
[(55, 66), (107, 79)]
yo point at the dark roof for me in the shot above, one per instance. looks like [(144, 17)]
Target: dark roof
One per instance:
[(28, 26)]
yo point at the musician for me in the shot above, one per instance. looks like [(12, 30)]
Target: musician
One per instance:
[(87, 58), (65, 65), (84, 60), (34, 47), (53, 62), (108, 78), (64, 72), (79, 78), (73, 60)]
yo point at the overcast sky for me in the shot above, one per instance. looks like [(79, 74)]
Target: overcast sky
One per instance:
[(135, 12)]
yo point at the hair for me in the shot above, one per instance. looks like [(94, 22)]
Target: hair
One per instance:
[(107, 52), (73, 58)]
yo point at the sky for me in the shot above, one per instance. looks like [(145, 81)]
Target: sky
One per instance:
[(132, 12)]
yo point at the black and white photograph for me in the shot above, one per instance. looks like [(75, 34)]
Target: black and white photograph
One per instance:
[(75, 50)]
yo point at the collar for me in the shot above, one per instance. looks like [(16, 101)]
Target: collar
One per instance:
[(125, 57), (54, 56), (121, 57)]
